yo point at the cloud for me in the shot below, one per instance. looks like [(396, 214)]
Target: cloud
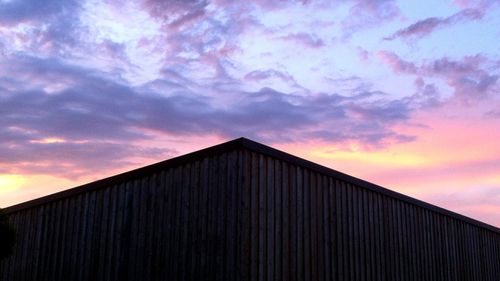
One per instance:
[(15, 12), (425, 27), (396, 63), (48, 28), (72, 159), (304, 39), (184, 15), (493, 113), (272, 116), (260, 76), (270, 5), (468, 77), (479, 202), (363, 54), (95, 111), (93, 117), (368, 14), (175, 11), (197, 37), (471, 77), (482, 5), (426, 95)]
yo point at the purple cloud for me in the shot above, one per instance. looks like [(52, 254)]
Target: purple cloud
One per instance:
[(98, 118), (482, 5), (396, 63), (368, 14), (493, 113), (98, 114), (427, 26), (175, 10), (468, 77), (304, 39), (15, 12), (472, 77), (262, 75)]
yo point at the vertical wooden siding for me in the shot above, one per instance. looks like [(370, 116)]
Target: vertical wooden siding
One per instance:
[(310, 226), (244, 216), (176, 224)]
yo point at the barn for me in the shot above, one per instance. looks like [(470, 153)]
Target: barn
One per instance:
[(244, 211)]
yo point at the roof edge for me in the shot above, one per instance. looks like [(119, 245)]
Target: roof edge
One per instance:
[(253, 146), (260, 148), (136, 173)]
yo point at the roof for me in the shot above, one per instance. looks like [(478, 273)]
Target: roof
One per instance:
[(243, 143)]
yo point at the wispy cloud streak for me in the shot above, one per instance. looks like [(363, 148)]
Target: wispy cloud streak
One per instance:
[(425, 27)]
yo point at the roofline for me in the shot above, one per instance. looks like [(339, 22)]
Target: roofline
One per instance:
[(253, 146), (129, 175)]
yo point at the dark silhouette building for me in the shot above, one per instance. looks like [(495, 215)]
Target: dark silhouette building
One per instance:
[(244, 211)]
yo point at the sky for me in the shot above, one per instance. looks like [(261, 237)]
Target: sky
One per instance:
[(405, 94)]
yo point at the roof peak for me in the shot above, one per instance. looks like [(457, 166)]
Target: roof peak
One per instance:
[(244, 143)]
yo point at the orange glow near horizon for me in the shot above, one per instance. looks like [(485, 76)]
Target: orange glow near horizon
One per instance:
[(10, 183), (20, 188)]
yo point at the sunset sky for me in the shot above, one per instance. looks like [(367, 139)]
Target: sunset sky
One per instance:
[(405, 94)]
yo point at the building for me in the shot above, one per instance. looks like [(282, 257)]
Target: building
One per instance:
[(244, 211)]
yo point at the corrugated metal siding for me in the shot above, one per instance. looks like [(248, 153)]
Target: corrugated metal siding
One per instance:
[(242, 215)]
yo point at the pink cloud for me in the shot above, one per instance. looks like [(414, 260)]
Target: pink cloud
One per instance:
[(363, 54), (471, 77), (396, 63), (477, 202), (482, 5)]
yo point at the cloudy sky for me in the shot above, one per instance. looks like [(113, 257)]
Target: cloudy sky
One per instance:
[(405, 94)]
